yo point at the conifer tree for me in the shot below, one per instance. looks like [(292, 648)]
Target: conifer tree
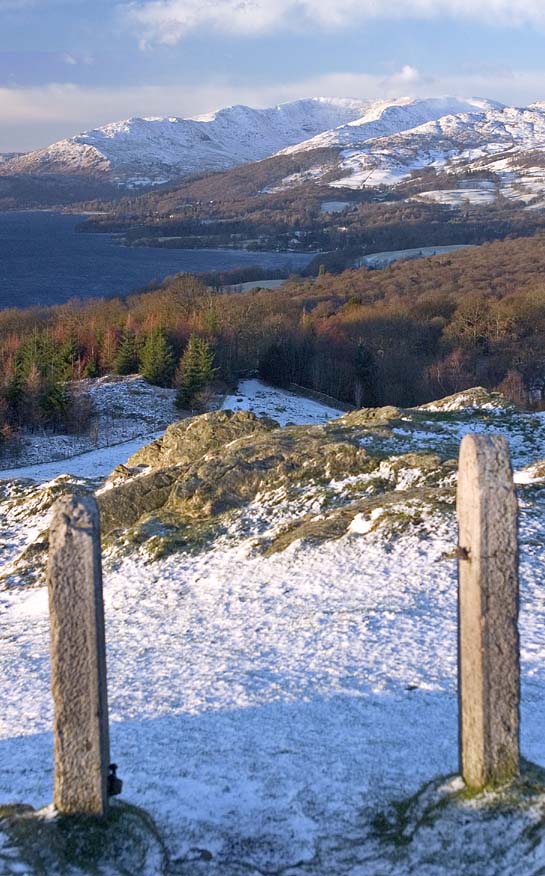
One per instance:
[(68, 358), (205, 360), (126, 360), (195, 371), (156, 359), (91, 368)]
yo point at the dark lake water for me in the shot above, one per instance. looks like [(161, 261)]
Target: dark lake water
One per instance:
[(44, 260)]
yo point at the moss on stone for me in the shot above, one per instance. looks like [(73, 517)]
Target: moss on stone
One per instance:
[(166, 533), (371, 417), (189, 440)]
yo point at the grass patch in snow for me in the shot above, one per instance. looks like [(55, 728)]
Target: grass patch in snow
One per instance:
[(445, 823), (48, 844), (165, 533)]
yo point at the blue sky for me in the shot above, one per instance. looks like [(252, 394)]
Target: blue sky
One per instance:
[(68, 65)]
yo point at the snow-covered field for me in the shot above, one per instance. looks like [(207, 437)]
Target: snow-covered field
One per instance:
[(477, 197), (264, 709), (125, 409), (284, 407), (383, 259)]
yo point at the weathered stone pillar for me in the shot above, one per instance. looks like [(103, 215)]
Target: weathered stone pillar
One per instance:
[(488, 660), (78, 659)]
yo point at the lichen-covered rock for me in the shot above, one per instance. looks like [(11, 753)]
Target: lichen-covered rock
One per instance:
[(125, 502), (190, 440), (232, 479), (238, 476), (476, 398), (289, 483), (372, 416), (234, 474)]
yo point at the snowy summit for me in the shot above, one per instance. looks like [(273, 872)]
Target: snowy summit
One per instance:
[(378, 143)]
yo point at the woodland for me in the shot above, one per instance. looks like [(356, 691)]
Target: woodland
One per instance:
[(404, 335)]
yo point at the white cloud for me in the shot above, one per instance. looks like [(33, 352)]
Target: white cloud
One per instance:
[(33, 117), (169, 21)]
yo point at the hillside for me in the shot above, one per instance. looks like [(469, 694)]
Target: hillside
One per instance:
[(151, 151), (505, 143), (402, 335), (282, 645), (453, 151)]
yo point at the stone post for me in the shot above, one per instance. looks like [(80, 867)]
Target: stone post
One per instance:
[(488, 659), (78, 659)]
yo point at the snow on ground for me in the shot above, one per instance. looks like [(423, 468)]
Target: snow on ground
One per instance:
[(383, 259), (284, 407), (93, 464), (263, 709), (478, 197), (334, 206), (125, 408), (253, 284)]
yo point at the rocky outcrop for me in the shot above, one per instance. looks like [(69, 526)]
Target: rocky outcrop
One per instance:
[(233, 473), (220, 469), (475, 398), (192, 439), (242, 477)]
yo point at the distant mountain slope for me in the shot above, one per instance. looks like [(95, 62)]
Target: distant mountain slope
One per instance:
[(384, 118), (156, 150), (496, 140), (386, 147), (479, 149), (9, 156)]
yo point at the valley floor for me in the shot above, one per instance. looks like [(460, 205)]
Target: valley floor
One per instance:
[(264, 710)]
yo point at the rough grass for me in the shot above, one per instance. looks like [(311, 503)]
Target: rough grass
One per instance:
[(441, 804), (125, 842)]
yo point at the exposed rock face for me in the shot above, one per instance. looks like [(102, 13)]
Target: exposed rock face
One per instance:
[(190, 440), (210, 482), (239, 477), (301, 481)]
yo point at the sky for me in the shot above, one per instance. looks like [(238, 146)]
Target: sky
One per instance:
[(70, 65)]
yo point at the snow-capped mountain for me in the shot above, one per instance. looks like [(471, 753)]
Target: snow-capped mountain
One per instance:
[(384, 118), (9, 156), (156, 150), (393, 141), (370, 143)]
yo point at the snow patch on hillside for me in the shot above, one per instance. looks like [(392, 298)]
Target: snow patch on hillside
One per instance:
[(284, 407), (124, 409), (494, 140)]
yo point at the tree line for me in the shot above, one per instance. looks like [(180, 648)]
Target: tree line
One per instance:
[(404, 335)]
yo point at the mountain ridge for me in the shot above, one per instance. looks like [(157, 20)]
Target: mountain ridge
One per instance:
[(154, 150), (372, 144)]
